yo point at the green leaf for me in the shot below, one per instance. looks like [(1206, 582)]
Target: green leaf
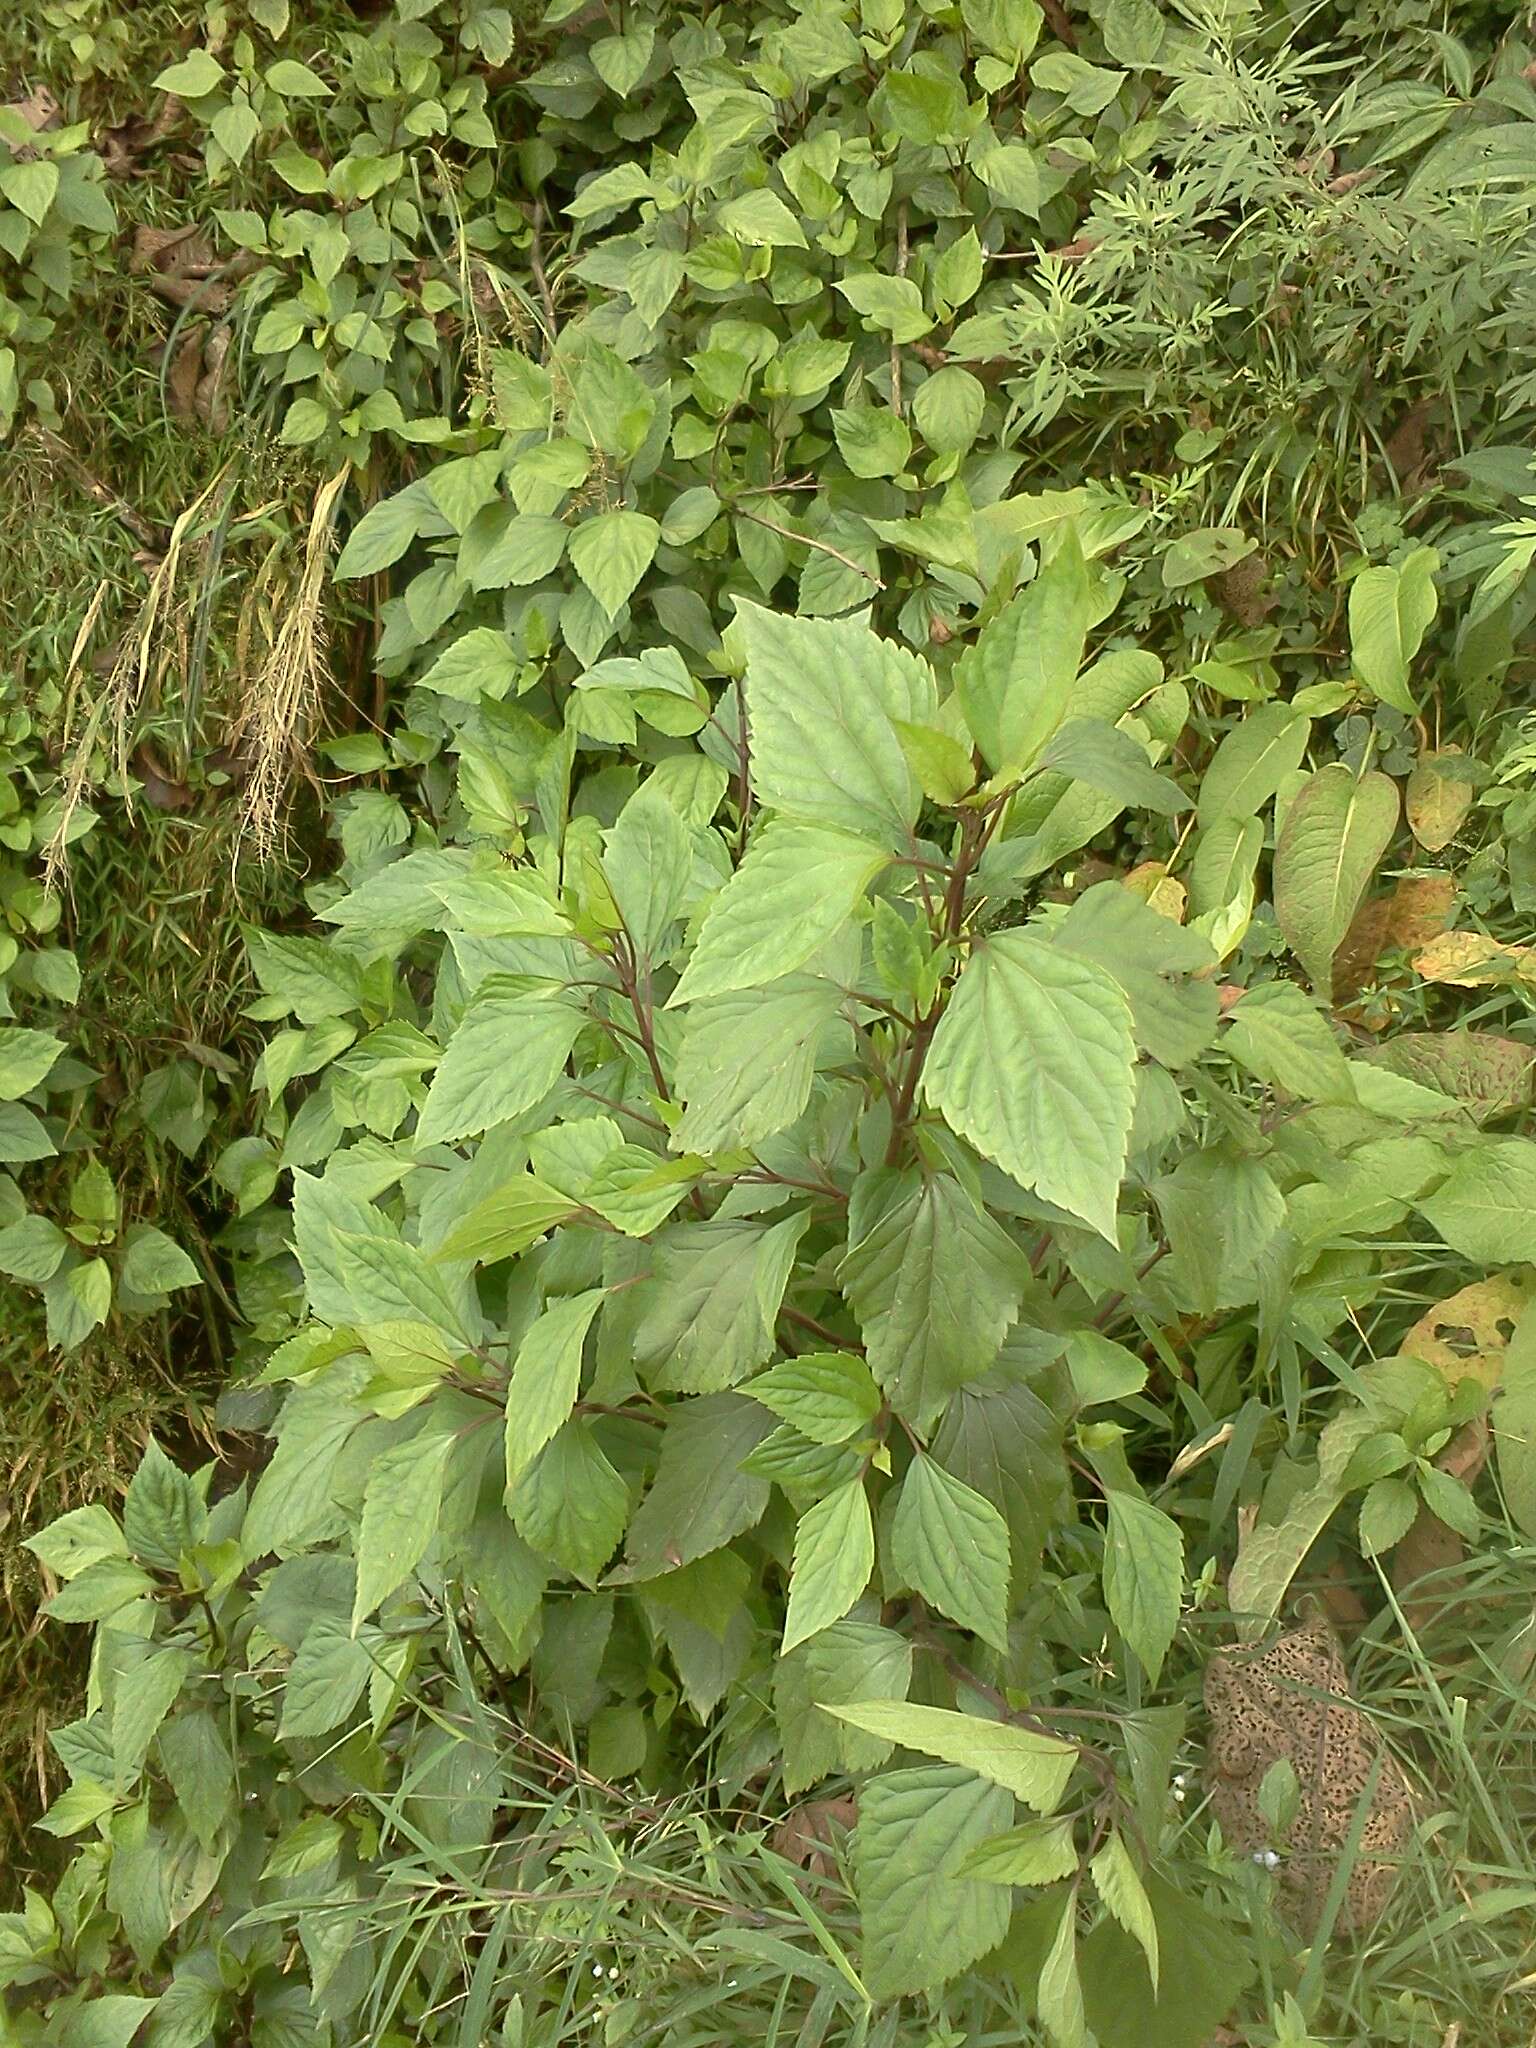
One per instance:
[(834, 1556), (193, 78), (546, 1379), (893, 304), (935, 1284), (510, 548), (611, 552), (1390, 611), (148, 1685), (1335, 832), (1207, 552), (326, 1679), (477, 1085), (851, 1660), (296, 81), (648, 864), (762, 221), (1206, 1967), (1034, 1767), (32, 1249), (1092, 751), (958, 273), (948, 409), (1016, 680), (828, 1396), (821, 695), (1038, 1852), (951, 1545), (400, 1511), (700, 1498), (1252, 761), (31, 188), (872, 440), (481, 663), (705, 1319), (383, 533), (1514, 1425), (1119, 1885), (1133, 32), (1143, 1576), (748, 1060), (507, 1221), (1101, 1369), (155, 1264), (26, 1057), (1059, 1992), (1033, 1063), (77, 1540), (797, 886), (163, 1512), (1174, 1015), (922, 1922), (571, 1506), (78, 1300), (1486, 1206), (111, 2018)]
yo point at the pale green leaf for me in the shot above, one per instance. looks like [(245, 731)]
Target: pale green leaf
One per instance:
[(1017, 678), (1119, 1885), (611, 552), (505, 1056), (1143, 1576), (1390, 611), (1033, 1766)]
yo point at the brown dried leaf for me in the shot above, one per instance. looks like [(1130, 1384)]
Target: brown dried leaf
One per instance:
[(1437, 802), (1411, 915), (805, 1836)]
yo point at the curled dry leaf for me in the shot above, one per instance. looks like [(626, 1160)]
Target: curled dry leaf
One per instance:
[(1159, 890), (1467, 1334), (1472, 959)]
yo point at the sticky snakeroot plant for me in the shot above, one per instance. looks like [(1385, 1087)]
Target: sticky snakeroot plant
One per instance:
[(710, 1314)]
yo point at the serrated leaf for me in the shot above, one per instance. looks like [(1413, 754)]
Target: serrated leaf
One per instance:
[(935, 1284), (400, 1511), (382, 535), (1038, 1852), (476, 1084), (922, 1922), (1016, 681), (700, 1497), (834, 1556), (1032, 1766), (546, 1378), (829, 1396), (648, 864), (611, 552), (797, 886), (1033, 1063), (571, 1505), (951, 1545), (1143, 1577), (1486, 1207), (1119, 1885), (821, 695), (748, 1060)]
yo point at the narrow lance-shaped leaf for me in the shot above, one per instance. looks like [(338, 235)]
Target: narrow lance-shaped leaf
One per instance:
[(546, 1379), (834, 1556)]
